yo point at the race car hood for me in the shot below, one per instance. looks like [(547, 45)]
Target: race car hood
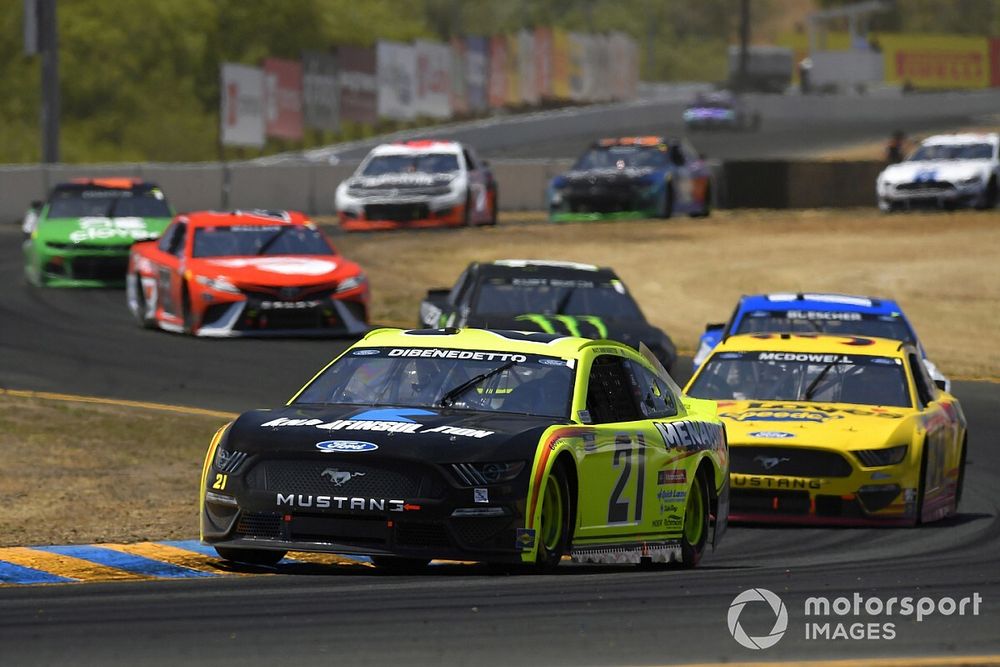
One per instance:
[(606, 176), (437, 435), (935, 170), (401, 181), (837, 425), (100, 230), (281, 270)]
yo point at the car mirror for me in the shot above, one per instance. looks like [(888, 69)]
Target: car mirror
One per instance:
[(715, 326), (941, 384), (584, 417), (438, 293)]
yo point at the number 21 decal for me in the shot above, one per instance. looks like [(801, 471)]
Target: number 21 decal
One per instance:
[(618, 508), (220, 481)]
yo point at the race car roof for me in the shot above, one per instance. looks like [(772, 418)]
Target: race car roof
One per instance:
[(541, 268), (553, 345), (113, 183), (418, 147), (818, 301), (966, 138), (631, 141), (244, 218), (816, 343)]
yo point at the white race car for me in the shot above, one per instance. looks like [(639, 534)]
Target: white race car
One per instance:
[(425, 183), (946, 171)]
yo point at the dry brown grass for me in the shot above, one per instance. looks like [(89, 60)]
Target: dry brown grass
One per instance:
[(80, 473), (944, 268), (875, 150)]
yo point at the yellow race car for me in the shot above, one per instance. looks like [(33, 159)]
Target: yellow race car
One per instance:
[(834, 430)]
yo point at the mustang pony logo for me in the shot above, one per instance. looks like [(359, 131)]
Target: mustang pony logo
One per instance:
[(340, 477), (766, 462)]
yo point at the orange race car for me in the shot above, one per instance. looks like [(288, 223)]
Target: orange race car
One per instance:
[(246, 273)]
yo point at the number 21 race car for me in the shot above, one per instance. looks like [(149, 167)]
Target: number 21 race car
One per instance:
[(498, 446)]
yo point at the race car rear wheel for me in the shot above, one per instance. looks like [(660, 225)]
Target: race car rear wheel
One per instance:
[(494, 211), (467, 211), (554, 522), (251, 556), (666, 206), (990, 196), (694, 534), (400, 565), (922, 488), (960, 482)]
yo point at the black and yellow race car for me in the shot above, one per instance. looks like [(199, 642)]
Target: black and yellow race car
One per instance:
[(498, 446)]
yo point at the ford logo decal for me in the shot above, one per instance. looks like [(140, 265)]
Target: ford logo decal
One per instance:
[(329, 446), (771, 434)]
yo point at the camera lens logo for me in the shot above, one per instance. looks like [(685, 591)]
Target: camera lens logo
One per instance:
[(780, 618)]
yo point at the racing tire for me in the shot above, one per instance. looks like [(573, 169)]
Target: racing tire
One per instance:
[(554, 522), (960, 482), (990, 196), (706, 210), (186, 314), (922, 486), (139, 314), (667, 203), (694, 533), (397, 565), (264, 557), (494, 212), (467, 211)]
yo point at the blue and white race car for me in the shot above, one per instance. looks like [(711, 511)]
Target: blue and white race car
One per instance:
[(946, 171), (842, 314)]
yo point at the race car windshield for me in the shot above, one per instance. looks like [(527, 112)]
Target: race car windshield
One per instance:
[(428, 377), (953, 152), (257, 240), (108, 203), (845, 324), (425, 163), (621, 157), (513, 296), (788, 376)]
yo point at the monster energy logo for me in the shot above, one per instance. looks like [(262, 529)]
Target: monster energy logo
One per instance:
[(571, 322)]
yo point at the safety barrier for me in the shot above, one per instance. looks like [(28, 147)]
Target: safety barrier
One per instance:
[(522, 183)]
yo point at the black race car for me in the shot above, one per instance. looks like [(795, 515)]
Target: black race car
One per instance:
[(554, 297)]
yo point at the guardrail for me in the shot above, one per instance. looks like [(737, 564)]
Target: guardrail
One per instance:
[(311, 187)]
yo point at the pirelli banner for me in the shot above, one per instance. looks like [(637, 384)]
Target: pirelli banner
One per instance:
[(936, 61)]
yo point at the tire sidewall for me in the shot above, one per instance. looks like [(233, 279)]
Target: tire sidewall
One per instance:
[(546, 560), (691, 554)]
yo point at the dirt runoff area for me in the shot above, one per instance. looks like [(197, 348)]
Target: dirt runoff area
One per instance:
[(943, 268), (77, 473)]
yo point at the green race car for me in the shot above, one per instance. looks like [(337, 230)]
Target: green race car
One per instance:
[(81, 235)]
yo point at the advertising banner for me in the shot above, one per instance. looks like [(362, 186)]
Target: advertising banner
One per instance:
[(577, 58), (498, 71), (283, 98), (358, 86), (477, 73), (320, 91), (396, 67), (433, 87), (543, 63), (561, 86), (242, 106), (936, 61), (458, 97), (526, 67), (512, 97)]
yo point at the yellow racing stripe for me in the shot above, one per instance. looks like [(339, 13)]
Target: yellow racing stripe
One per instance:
[(66, 566), (166, 553), (73, 398)]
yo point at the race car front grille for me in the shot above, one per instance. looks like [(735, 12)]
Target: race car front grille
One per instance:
[(99, 268), (340, 478), (307, 318), (768, 502), (477, 532), (928, 187), (414, 534), (261, 525), (344, 530), (398, 212), (787, 461)]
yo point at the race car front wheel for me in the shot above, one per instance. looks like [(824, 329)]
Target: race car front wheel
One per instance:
[(694, 535), (251, 556), (137, 300), (554, 522), (666, 207)]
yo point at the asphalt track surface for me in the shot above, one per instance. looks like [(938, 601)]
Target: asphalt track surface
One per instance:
[(84, 342)]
